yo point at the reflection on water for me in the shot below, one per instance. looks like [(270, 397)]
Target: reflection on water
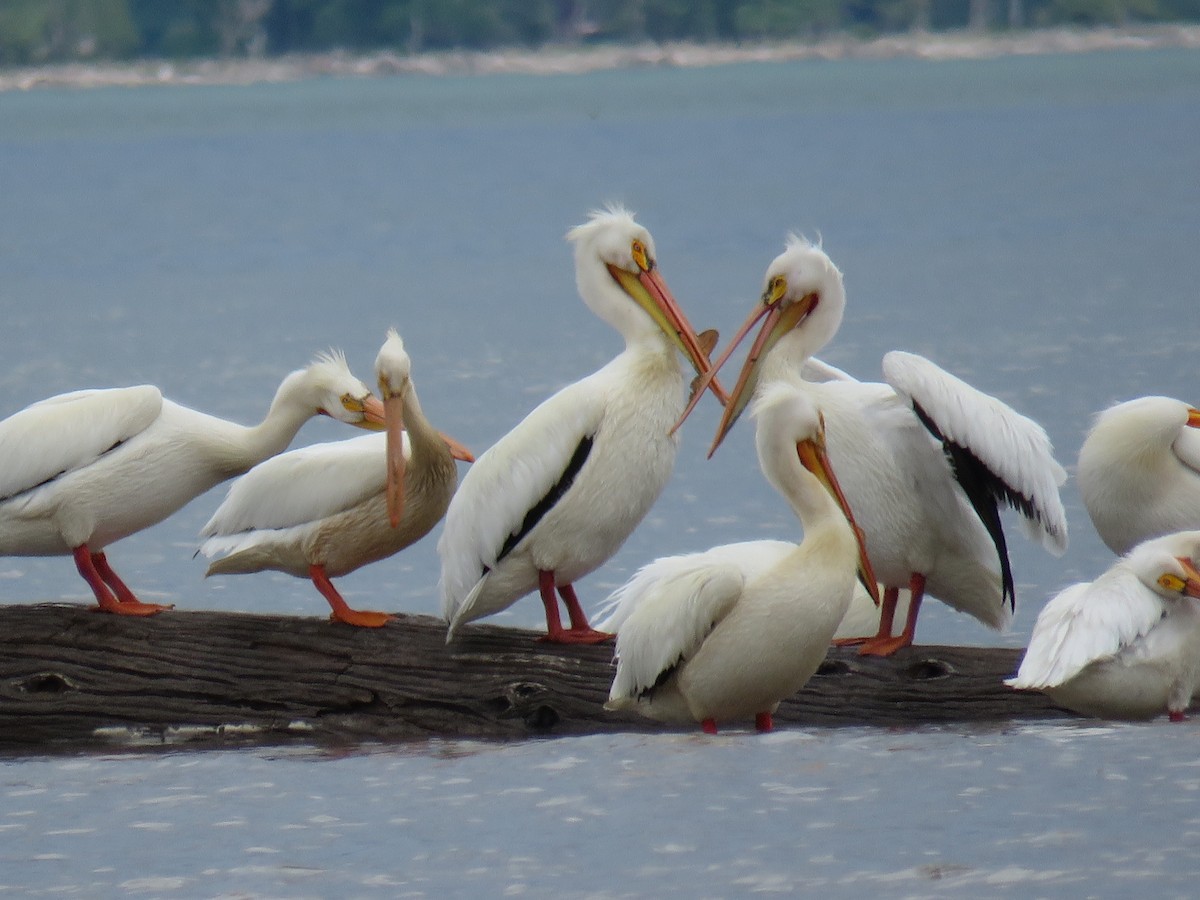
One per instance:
[(1029, 224)]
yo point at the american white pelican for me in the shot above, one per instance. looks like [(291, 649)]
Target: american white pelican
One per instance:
[(752, 558), (558, 495), (323, 511), (728, 633), (85, 469), (1139, 471), (1127, 645), (925, 459)]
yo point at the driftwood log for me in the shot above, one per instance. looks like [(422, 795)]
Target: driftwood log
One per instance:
[(70, 677)]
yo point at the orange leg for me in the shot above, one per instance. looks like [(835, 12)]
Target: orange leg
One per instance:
[(342, 612), (1176, 715), (124, 594), (580, 631), (887, 615), (709, 726), (763, 723), (123, 603), (887, 645)]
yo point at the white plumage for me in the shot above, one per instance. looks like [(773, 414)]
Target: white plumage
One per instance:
[(752, 559), (1126, 645), (730, 632), (558, 495), (1139, 471), (85, 469), (924, 459), (322, 511)]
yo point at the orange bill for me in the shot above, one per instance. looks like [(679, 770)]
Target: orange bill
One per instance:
[(394, 417), (1191, 586), (778, 321), (457, 449), (813, 457), (650, 291)]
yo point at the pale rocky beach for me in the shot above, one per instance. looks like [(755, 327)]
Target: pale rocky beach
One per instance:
[(576, 60)]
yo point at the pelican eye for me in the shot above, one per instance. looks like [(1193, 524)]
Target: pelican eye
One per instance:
[(776, 288), (1172, 582), (352, 404), (641, 257)]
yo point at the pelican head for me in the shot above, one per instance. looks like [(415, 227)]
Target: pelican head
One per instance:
[(789, 422), (328, 385), (801, 306), (1146, 425), (615, 262), (393, 369), (1168, 565)]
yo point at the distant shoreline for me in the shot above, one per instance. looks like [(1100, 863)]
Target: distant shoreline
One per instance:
[(578, 60)]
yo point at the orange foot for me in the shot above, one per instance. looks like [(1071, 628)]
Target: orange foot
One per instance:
[(577, 636), (884, 646), (850, 642), (362, 618), (134, 608)]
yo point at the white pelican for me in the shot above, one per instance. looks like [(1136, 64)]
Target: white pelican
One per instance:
[(925, 459), (752, 558), (85, 469), (558, 495), (1139, 471), (323, 511), (730, 632), (1127, 645)]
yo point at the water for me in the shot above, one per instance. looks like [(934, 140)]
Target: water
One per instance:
[(1030, 224), (1061, 810)]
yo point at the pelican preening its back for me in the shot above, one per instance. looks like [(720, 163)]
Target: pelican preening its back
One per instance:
[(925, 459), (1139, 471), (1126, 645), (85, 469), (729, 633), (558, 495), (325, 510)]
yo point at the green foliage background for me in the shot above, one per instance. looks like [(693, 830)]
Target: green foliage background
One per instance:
[(36, 31)]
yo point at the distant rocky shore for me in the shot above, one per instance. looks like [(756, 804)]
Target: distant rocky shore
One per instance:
[(573, 60)]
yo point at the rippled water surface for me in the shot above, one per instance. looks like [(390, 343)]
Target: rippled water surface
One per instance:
[(1030, 224), (1047, 810)]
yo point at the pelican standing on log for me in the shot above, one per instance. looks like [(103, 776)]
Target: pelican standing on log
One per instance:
[(1139, 471), (718, 635), (323, 511), (925, 459), (558, 495), (1127, 645), (82, 470)]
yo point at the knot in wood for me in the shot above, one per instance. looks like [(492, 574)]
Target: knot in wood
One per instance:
[(929, 670), (45, 683), (833, 668), (528, 700)]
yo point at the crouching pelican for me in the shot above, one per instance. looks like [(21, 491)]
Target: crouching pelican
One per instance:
[(325, 510), (925, 459), (1139, 471), (717, 635), (1127, 645), (85, 469), (559, 494)]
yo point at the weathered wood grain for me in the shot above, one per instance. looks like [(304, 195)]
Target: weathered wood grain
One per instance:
[(70, 677)]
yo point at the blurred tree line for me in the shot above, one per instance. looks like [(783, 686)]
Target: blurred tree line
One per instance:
[(35, 31)]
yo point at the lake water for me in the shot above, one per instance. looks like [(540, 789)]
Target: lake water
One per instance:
[(1030, 224)]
